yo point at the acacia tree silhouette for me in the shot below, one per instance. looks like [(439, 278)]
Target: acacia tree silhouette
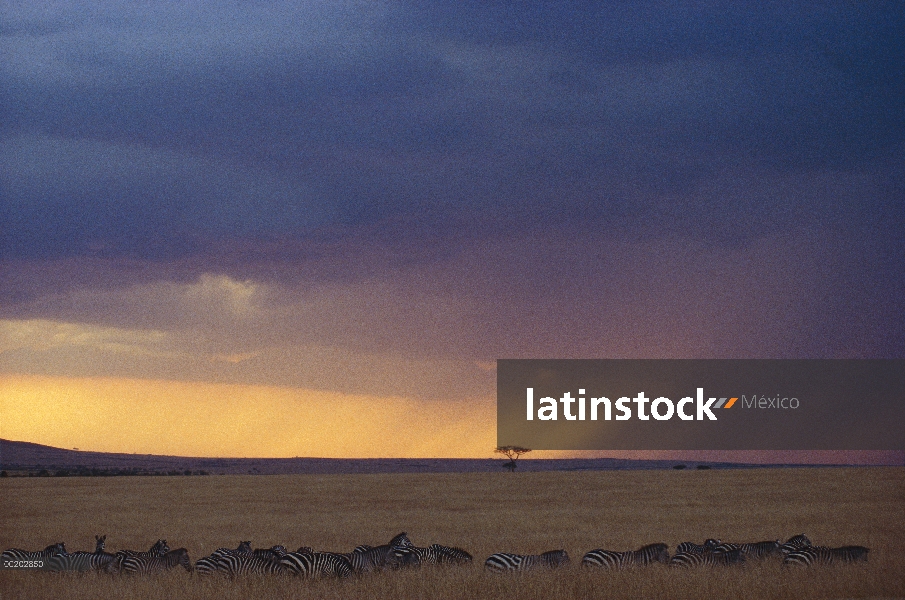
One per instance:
[(512, 453)]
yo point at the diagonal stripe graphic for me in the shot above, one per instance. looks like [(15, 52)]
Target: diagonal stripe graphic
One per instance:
[(720, 403), (730, 403)]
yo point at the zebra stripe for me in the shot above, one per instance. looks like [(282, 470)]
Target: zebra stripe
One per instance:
[(818, 555), (504, 561), (207, 566), (82, 561), (18, 554), (450, 554), (316, 564), (753, 550), (689, 559), (376, 558), (692, 548), (235, 565), (619, 560), (160, 548), (144, 565)]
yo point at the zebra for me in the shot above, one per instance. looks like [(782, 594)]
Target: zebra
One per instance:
[(81, 561), (210, 564), (144, 565), (100, 541), (692, 548), (397, 553), (309, 550), (796, 542), (235, 565), (316, 564), (688, 559), (377, 558), (619, 560), (160, 548), (818, 555), (450, 554), (18, 554), (503, 561), (753, 550)]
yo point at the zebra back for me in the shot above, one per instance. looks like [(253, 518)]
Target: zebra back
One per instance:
[(237, 565), (504, 561), (143, 565), (81, 561), (643, 556), (692, 548), (450, 554), (19, 554), (819, 555), (751, 550), (316, 564), (691, 559)]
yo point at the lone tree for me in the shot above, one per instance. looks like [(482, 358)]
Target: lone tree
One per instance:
[(512, 453)]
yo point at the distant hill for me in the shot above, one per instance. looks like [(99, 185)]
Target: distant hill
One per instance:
[(26, 457)]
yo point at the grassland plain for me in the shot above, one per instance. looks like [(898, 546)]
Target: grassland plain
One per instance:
[(481, 512)]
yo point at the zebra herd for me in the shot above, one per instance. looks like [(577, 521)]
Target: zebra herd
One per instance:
[(798, 550), (400, 552)]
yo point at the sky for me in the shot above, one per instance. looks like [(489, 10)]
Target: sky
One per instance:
[(310, 228)]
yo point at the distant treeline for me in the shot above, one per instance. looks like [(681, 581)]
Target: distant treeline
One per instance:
[(95, 472)]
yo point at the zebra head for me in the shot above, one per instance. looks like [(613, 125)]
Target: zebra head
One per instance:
[(711, 543), (305, 550), (55, 549), (100, 541), (245, 548), (555, 558), (159, 548), (401, 541)]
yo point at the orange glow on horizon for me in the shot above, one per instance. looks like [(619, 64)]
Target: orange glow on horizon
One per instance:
[(221, 420)]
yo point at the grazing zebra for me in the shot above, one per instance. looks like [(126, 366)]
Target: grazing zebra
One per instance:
[(144, 565), (619, 560), (450, 554), (796, 542), (689, 559), (51, 550), (692, 548), (755, 550), (316, 564), (818, 555), (503, 561), (236, 565)]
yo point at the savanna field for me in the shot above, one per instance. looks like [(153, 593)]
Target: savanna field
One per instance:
[(525, 513)]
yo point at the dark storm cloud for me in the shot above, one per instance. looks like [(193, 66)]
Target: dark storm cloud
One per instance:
[(355, 140)]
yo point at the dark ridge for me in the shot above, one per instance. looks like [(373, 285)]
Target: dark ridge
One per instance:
[(24, 458)]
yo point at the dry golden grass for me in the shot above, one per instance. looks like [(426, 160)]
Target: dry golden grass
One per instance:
[(483, 513)]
